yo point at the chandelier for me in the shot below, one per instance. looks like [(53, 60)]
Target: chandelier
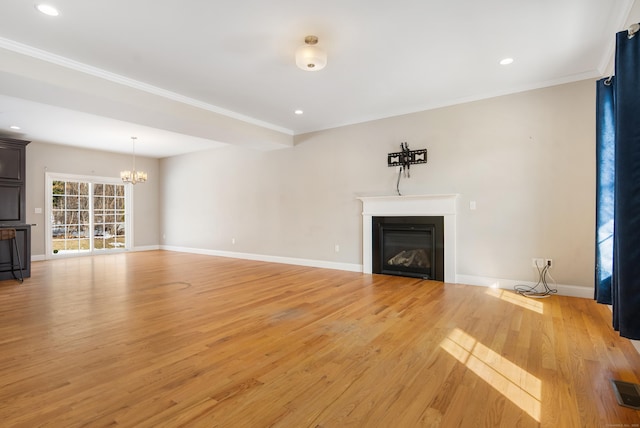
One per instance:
[(133, 176)]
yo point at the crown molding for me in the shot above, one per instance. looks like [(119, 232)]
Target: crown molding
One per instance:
[(43, 55)]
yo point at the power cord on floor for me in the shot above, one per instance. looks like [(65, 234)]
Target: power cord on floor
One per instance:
[(547, 291)]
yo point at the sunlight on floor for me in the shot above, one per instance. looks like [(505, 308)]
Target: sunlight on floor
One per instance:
[(516, 384), (517, 299)]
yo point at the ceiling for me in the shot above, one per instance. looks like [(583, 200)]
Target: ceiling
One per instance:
[(189, 75)]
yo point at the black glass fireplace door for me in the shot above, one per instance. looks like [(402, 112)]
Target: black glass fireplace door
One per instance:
[(406, 248)]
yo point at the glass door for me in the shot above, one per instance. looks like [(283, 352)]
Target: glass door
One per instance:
[(87, 215), (70, 217), (109, 216)]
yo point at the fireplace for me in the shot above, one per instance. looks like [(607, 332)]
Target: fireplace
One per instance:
[(408, 246), (443, 205)]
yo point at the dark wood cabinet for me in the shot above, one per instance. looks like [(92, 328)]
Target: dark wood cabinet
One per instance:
[(11, 197), (13, 204)]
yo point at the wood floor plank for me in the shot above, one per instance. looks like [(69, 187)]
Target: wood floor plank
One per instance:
[(171, 339)]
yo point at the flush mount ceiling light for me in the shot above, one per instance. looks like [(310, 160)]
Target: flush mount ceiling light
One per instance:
[(298, 112), (15, 127), (506, 61), (309, 57), (47, 9)]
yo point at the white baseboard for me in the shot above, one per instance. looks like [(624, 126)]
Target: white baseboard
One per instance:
[(265, 258), (37, 258), (146, 248), (508, 284)]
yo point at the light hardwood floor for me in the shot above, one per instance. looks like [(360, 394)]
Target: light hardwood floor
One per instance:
[(161, 338)]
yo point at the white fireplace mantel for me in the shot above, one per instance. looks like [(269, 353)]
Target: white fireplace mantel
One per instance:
[(413, 205)]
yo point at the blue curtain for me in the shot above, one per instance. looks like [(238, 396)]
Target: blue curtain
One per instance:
[(618, 128)]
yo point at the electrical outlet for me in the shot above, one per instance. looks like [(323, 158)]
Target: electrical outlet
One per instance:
[(548, 262), (233, 241), (337, 248), (537, 262)]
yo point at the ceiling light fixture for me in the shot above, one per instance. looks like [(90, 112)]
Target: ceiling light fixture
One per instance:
[(506, 61), (309, 57), (15, 128), (298, 112), (47, 9), (133, 176)]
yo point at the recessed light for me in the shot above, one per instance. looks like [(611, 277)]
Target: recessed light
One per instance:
[(506, 61), (298, 112), (47, 9), (15, 128)]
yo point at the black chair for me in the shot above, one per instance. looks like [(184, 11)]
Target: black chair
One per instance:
[(10, 235)]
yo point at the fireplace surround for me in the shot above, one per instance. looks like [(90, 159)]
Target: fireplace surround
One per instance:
[(411, 206)]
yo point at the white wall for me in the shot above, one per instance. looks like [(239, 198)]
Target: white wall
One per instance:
[(528, 160), (43, 157)]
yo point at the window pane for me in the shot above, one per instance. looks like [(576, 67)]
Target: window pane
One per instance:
[(109, 190), (72, 217), (83, 203), (98, 243), (58, 217), (57, 188), (57, 232), (71, 188), (58, 202), (84, 189), (72, 202)]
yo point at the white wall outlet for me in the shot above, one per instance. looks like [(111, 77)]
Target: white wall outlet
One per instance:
[(37, 211), (337, 248), (537, 262), (472, 205), (548, 262), (233, 241)]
